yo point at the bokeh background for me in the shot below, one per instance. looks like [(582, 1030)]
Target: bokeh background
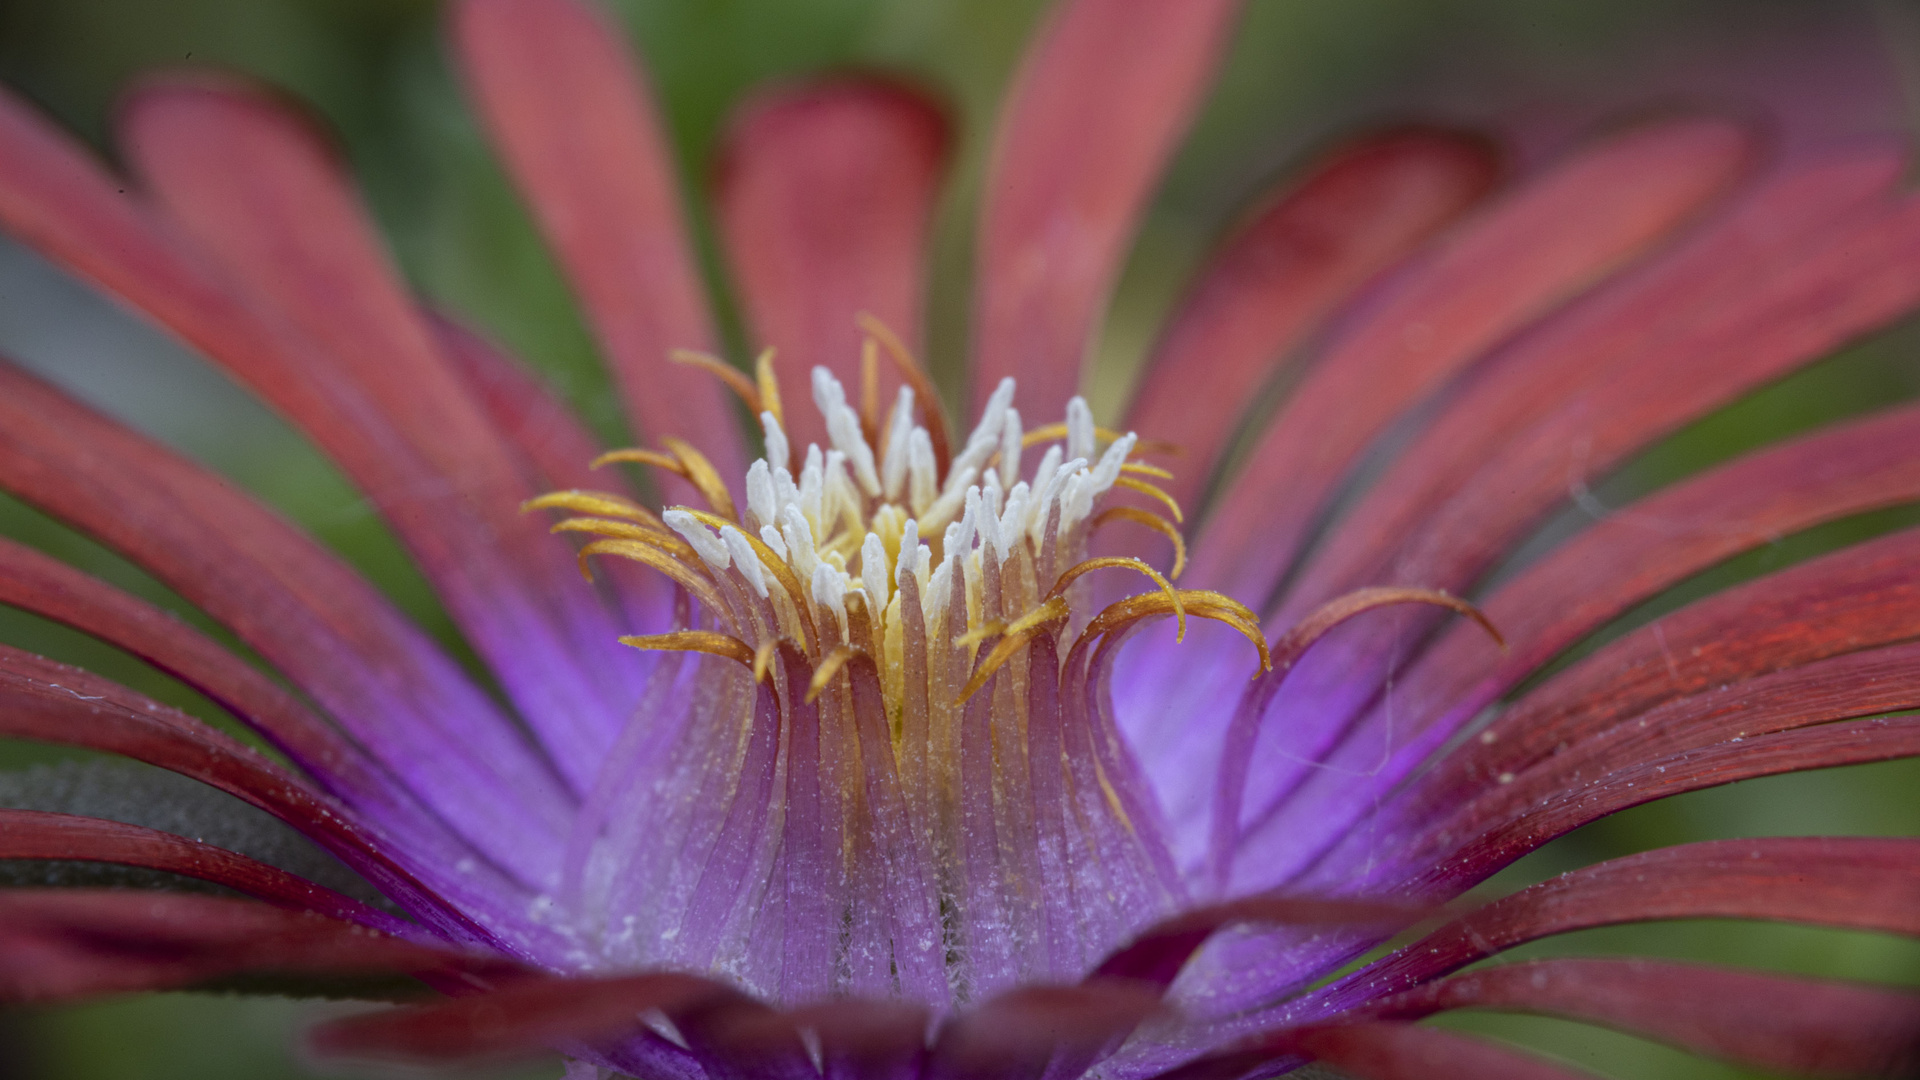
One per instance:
[(1538, 72)]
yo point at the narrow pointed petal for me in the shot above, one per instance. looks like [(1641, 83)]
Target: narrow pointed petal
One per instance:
[(30, 834), (63, 944), (517, 1020), (523, 408), (46, 587), (1101, 99), (48, 702), (1356, 212), (296, 605), (569, 109), (824, 196), (1645, 321), (1599, 575), (1557, 236), (1801, 1027), (255, 185), (1379, 1051), (1851, 882)]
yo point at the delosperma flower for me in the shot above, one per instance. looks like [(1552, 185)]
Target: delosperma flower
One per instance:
[(886, 744)]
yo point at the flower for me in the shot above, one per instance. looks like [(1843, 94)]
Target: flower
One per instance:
[(898, 782)]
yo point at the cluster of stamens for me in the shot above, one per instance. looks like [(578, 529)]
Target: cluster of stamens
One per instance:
[(884, 514)]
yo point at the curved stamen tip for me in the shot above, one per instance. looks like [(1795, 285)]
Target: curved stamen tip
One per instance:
[(1022, 630), (703, 641), (828, 667)]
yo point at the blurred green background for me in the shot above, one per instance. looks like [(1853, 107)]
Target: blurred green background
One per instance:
[(1301, 71)]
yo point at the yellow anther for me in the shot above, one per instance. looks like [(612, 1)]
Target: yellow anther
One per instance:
[(626, 530), (769, 386), (733, 377), (1103, 562), (1023, 629), (770, 559), (1207, 605), (828, 667), (702, 641), (640, 456), (1141, 468), (763, 660), (603, 503), (1290, 646), (870, 394), (701, 473), (1145, 488), (990, 628), (653, 553), (932, 415), (1152, 521)]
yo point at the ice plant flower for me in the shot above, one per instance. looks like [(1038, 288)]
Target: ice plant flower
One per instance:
[(897, 779)]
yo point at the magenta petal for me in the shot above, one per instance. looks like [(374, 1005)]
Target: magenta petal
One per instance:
[(824, 194), (1101, 98), (568, 107)]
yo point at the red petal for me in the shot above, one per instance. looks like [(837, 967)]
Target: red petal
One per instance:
[(1545, 243), (49, 702), (1102, 96), (523, 409), (1599, 575), (569, 110), (1156, 954), (1358, 211), (255, 184), (46, 587), (1856, 883), (294, 603), (519, 1019), (1040, 1030), (59, 944), (824, 197), (31, 834), (1648, 320), (1379, 1051), (1797, 1026)]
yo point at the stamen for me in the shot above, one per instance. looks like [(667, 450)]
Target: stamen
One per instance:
[(1080, 431), (1058, 431), (642, 551), (735, 379), (775, 438), (710, 547), (763, 376), (704, 641), (640, 456), (1152, 521), (764, 554), (870, 390), (935, 417), (1023, 629), (1145, 488), (894, 449), (703, 475), (827, 668), (604, 503), (624, 530), (1294, 643), (1074, 572), (1207, 605), (1141, 468)]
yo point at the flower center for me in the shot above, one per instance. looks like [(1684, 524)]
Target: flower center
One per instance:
[(914, 755)]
